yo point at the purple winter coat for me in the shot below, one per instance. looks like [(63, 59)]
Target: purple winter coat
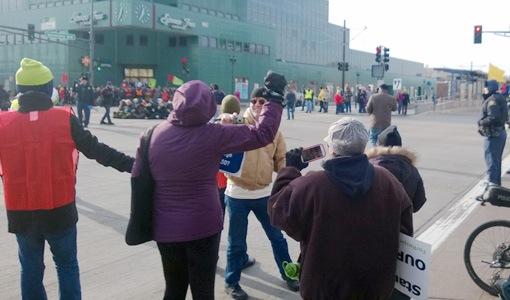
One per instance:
[(184, 157)]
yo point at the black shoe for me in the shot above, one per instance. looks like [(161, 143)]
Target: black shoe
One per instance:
[(250, 262), (293, 285), (110, 123), (236, 292), (103, 122)]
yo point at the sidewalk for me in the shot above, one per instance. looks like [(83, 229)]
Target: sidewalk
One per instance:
[(449, 278)]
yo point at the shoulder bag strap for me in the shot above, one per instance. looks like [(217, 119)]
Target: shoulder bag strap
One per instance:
[(146, 172)]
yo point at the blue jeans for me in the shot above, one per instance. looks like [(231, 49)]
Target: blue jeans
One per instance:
[(309, 105), (505, 290), (348, 106), (80, 105), (399, 107), (493, 147), (373, 133), (290, 111), (31, 256), (238, 210)]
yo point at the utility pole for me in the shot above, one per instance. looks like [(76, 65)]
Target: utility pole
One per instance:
[(91, 45), (343, 61), (233, 60)]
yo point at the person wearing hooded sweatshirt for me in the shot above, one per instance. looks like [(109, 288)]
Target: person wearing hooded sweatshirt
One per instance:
[(347, 218), (39, 148), (184, 158), (492, 127), (390, 155)]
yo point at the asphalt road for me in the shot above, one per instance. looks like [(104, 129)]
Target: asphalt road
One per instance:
[(450, 161)]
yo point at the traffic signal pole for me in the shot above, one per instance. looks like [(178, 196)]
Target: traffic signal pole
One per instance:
[(343, 61)]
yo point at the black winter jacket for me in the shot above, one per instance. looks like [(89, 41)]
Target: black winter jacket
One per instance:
[(400, 162)]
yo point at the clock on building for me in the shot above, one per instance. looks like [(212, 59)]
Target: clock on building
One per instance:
[(121, 12), (142, 13)]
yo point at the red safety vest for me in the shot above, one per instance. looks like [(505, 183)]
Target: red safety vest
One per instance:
[(38, 159)]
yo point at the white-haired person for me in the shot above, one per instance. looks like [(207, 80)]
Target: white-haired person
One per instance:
[(338, 214)]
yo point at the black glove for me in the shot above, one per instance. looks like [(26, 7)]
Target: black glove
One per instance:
[(275, 86), (293, 159)]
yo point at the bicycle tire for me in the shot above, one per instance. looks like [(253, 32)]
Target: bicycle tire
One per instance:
[(489, 234)]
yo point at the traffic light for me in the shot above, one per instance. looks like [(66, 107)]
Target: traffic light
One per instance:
[(386, 67), (346, 66), (31, 32), (478, 34), (185, 69), (378, 54), (97, 64), (386, 54), (340, 66)]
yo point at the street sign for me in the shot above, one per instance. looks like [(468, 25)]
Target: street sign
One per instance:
[(63, 36), (397, 84)]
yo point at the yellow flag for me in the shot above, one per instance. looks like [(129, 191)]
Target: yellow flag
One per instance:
[(496, 73), (152, 83), (177, 81)]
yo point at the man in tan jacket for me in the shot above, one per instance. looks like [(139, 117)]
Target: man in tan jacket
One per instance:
[(379, 108), (250, 192)]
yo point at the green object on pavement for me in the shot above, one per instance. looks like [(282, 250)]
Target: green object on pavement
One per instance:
[(291, 270)]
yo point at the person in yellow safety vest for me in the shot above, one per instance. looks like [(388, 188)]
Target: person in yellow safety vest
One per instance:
[(321, 100), (309, 100)]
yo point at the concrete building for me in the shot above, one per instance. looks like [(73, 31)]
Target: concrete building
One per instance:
[(230, 42)]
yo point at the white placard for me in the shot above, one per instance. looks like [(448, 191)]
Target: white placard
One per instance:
[(397, 84), (413, 267)]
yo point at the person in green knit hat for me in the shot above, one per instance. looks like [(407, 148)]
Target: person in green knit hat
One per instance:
[(39, 147)]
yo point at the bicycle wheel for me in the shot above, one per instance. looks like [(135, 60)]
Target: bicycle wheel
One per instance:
[(483, 246)]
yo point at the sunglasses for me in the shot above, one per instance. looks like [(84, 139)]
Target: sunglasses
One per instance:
[(261, 101)]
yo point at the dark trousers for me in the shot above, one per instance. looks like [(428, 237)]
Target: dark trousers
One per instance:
[(362, 108), (107, 113), (190, 263), (348, 106), (81, 106), (321, 103), (494, 147)]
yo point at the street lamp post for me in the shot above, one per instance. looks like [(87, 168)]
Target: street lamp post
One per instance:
[(91, 44), (233, 60), (356, 90)]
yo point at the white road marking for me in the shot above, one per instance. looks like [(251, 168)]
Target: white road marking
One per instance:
[(436, 234)]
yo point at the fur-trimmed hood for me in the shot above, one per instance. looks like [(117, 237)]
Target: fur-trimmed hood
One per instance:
[(400, 162), (395, 159), (376, 151)]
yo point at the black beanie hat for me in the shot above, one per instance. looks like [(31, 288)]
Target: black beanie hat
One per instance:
[(258, 92), (389, 137)]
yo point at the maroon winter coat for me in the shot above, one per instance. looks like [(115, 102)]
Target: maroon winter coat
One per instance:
[(347, 219)]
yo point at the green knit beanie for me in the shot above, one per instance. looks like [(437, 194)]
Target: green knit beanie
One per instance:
[(32, 73), (230, 104)]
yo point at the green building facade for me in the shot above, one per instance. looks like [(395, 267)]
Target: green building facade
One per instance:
[(228, 42)]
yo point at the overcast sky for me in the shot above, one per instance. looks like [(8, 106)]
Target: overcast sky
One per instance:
[(436, 33)]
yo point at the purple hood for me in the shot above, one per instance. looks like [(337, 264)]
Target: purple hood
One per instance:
[(194, 104)]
